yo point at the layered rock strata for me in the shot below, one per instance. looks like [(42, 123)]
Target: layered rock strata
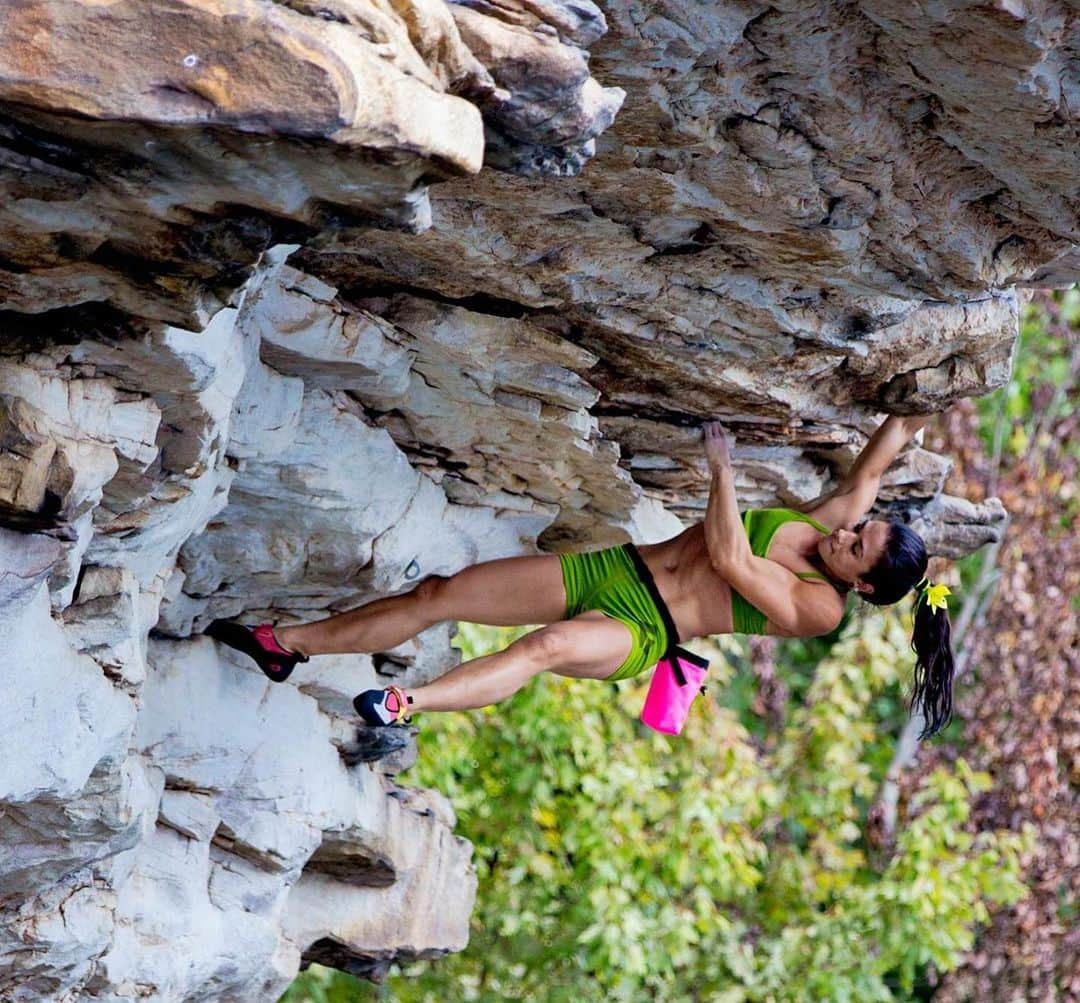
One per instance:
[(272, 343), (153, 151)]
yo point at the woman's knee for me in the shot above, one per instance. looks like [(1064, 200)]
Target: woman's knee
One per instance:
[(432, 589), (432, 597), (548, 648)]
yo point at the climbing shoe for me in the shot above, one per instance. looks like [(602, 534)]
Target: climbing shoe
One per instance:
[(259, 644), (379, 707)]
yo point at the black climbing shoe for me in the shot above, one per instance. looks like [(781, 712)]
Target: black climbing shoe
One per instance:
[(259, 644), (382, 707)]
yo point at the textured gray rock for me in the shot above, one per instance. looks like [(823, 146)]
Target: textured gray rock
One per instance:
[(25, 562), (250, 366), (289, 116), (180, 795)]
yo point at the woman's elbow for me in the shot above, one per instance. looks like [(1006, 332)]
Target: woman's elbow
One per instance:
[(720, 565), (728, 563)]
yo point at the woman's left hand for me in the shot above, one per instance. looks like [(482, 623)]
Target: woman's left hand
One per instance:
[(717, 445)]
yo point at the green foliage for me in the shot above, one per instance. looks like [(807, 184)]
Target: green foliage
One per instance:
[(1042, 360), (605, 851), (619, 864)]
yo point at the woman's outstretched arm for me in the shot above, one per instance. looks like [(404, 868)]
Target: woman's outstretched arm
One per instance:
[(856, 493), (792, 606), (724, 534)]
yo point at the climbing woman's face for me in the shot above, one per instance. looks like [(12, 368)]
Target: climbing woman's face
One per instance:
[(849, 554)]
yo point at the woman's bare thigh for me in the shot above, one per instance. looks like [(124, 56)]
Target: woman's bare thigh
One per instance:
[(600, 644), (510, 592)]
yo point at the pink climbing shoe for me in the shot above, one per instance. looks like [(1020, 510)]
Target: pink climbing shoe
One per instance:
[(259, 644)]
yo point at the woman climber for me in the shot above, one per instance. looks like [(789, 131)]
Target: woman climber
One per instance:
[(610, 613)]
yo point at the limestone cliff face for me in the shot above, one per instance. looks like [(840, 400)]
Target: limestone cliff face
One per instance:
[(301, 303)]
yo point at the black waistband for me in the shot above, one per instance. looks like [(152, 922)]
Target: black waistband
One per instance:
[(654, 593)]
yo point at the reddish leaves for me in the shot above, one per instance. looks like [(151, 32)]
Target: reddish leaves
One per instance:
[(1021, 708)]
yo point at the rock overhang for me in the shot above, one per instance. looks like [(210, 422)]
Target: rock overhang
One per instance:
[(273, 343)]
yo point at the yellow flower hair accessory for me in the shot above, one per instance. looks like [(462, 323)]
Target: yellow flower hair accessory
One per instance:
[(934, 594)]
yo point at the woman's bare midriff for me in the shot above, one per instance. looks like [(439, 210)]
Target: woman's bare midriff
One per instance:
[(698, 598)]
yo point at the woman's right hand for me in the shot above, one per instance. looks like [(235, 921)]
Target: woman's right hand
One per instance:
[(717, 445)]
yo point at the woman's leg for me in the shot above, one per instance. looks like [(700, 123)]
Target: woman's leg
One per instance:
[(510, 592), (591, 646)]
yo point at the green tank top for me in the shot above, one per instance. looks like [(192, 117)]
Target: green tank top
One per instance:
[(761, 525)]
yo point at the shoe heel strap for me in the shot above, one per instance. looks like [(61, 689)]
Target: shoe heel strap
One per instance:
[(267, 640), (403, 701)]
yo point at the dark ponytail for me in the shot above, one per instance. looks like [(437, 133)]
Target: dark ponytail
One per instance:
[(933, 680), (902, 568)]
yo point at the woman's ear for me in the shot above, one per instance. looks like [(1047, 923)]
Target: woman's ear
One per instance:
[(864, 587)]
